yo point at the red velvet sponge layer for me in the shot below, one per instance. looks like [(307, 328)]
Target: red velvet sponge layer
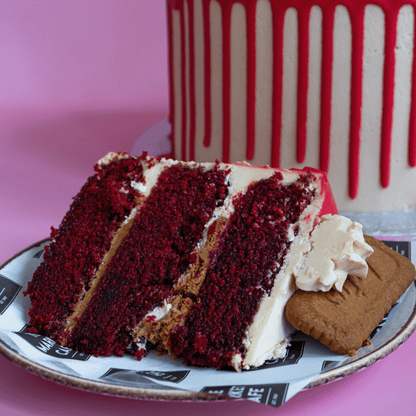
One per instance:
[(80, 243), (241, 271), (157, 251)]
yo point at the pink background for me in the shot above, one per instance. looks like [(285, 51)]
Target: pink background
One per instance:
[(78, 79)]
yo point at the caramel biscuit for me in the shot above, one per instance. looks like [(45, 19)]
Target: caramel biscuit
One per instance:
[(343, 320)]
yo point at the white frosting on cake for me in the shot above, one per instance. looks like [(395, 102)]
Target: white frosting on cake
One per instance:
[(336, 249), (159, 312), (267, 335), (150, 176), (110, 157)]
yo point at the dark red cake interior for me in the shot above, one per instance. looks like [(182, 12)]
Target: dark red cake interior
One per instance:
[(157, 251), (78, 246), (241, 270)]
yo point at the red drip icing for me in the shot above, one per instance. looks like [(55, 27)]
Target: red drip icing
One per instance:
[(388, 97), (326, 86), (173, 4), (183, 84), (192, 115), (251, 78), (170, 64), (226, 80), (279, 8), (412, 124), (357, 24), (303, 67), (207, 74), (278, 20)]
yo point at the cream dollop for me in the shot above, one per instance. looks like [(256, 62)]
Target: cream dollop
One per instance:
[(336, 249)]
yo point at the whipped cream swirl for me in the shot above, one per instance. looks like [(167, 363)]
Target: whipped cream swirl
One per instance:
[(336, 248)]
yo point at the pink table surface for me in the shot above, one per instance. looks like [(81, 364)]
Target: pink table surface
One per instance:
[(78, 79)]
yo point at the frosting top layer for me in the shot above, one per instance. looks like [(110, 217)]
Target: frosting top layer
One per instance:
[(335, 249)]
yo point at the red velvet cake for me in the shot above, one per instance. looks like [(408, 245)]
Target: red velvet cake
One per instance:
[(196, 259), (287, 83)]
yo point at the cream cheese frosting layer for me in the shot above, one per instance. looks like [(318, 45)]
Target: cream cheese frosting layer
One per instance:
[(268, 335), (335, 249)]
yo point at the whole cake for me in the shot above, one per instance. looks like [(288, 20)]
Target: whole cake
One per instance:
[(197, 259), (312, 83)]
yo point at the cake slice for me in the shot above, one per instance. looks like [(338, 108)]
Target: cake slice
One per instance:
[(229, 310), (198, 260)]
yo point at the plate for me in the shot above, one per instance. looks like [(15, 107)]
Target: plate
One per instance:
[(390, 337)]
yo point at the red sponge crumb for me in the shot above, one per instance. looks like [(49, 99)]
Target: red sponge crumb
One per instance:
[(157, 251), (77, 248), (241, 271)]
